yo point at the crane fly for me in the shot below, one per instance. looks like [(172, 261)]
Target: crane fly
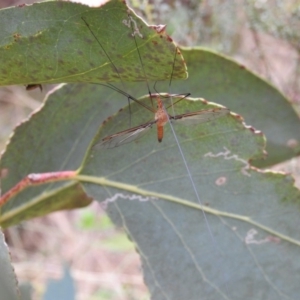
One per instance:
[(161, 117)]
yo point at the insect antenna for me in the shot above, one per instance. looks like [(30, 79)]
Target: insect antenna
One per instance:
[(170, 82), (111, 86), (88, 26), (173, 67), (169, 95), (139, 54)]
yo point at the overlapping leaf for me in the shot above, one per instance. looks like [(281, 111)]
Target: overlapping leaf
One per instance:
[(224, 81)]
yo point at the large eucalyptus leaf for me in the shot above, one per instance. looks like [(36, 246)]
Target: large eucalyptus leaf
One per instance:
[(56, 41), (148, 192), (245, 245)]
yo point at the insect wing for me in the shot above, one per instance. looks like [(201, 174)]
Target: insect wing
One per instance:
[(124, 137), (200, 116)]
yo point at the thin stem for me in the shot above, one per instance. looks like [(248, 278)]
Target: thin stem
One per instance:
[(36, 179)]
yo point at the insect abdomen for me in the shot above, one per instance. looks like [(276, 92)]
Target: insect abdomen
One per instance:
[(160, 132)]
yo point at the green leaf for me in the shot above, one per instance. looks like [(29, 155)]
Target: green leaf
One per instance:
[(54, 139), (50, 42), (248, 236), (219, 79), (8, 281), (170, 232)]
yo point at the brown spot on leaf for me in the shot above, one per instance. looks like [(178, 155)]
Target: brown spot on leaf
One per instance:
[(88, 40), (221, 181), (31, 87), (292, 143), (159, 28), (16, 36), (239, 117)]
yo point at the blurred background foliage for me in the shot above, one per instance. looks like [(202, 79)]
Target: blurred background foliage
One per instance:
[(261, 34)]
